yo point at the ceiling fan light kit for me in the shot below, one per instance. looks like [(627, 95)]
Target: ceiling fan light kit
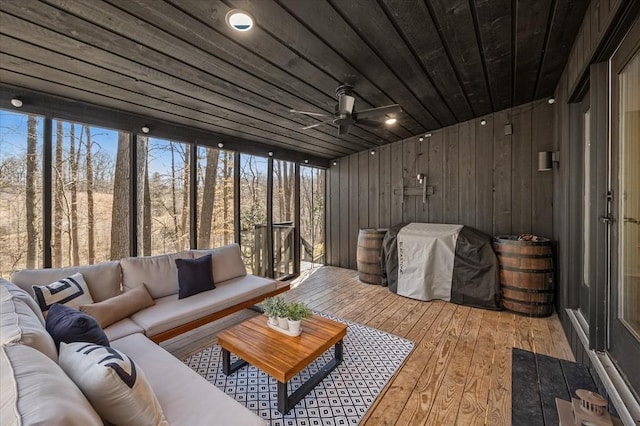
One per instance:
[(344, 115)]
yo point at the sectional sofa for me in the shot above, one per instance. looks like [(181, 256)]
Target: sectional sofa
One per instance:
[(36, 390)]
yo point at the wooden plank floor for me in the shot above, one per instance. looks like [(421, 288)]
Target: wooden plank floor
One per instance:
[(460, 369)]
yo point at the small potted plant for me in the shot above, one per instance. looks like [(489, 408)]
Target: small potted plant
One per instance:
[(269, 307), (296, 312), (279, 311)]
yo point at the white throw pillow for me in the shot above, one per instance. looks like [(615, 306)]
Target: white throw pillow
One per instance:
[(71, 291), (116, 387)]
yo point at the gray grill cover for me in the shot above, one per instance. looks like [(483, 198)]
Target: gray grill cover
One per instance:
[(475, 280)]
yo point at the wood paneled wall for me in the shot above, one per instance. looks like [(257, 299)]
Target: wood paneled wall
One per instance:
[(598, 19), (481, 177)]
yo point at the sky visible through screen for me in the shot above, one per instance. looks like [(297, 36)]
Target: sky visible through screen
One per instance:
[(13, 142)]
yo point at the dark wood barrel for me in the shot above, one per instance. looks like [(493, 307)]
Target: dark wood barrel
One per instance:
[(526, 275), (368, 255)]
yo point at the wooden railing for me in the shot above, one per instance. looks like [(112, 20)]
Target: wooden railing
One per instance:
[(283, 239)]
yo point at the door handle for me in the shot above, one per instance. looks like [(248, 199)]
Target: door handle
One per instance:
[(606, 219)]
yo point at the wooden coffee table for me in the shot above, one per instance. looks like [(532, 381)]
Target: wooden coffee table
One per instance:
[(282, 356)]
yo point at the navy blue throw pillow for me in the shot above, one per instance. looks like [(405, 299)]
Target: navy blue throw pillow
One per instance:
[(194, 276), (69, 325)]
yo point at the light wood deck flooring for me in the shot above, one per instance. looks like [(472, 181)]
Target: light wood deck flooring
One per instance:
[(460, 369)]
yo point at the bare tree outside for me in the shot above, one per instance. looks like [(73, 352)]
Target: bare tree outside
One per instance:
[(32, 169), (120, 205), (90, 208), (207, 195), (58, 204)]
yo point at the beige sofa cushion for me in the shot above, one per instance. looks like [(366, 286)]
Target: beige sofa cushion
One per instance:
[(170, 312), (35, 391), (103, 279), (25, 297), (20, 325), (185, 397), (122, 328), (111, 310), (226, 262), (158, 273)]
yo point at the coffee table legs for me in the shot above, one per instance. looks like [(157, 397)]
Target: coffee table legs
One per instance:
[(229, 368), (286, 402)]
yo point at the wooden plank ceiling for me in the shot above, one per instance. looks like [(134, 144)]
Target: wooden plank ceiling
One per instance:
[(443, 61)]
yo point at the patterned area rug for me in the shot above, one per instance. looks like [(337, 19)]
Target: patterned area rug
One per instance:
[(371, 357)]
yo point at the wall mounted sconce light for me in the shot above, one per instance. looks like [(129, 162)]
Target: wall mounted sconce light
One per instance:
[(306, 161), (270, 153), (373, 152), (551, 101), (145, 129), (546, 160), (335, 162), (220, 145), (483, 122), (17, 102)]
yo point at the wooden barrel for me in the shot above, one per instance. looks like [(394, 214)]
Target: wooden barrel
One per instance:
[(368, 255), (526, 275)]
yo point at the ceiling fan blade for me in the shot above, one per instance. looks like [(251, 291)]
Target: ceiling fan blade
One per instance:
[(376, 112), (370, 123), (315, 125), (345, 104), (319, 114)]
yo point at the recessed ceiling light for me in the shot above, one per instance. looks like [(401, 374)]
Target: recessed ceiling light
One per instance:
[(239, 20), (390, 121), (270, 153), (16, 102), (306, 161)]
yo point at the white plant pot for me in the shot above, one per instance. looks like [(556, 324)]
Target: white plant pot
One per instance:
[(273, 320), (283, 323), (294, 326)]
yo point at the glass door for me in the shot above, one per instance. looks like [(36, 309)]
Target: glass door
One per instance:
[(624, 310), (587, 209)]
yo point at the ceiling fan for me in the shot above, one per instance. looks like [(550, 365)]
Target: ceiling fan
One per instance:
[(344, 116)]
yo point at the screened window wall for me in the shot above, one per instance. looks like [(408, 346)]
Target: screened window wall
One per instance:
[(21, 144), (90, 188), (215, 207), (67, 199), (283, 218), (254, 240), (312, 214)]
